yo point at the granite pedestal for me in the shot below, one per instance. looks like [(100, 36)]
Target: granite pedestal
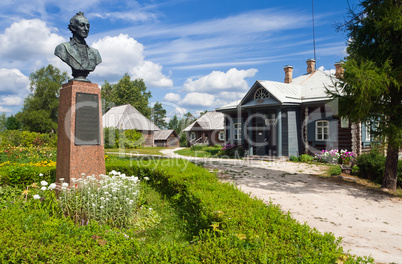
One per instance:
[(80, 146)]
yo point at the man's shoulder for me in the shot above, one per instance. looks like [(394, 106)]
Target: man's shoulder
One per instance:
[(62, 47)]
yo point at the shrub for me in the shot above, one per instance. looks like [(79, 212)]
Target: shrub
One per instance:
[(372, 166), (305, 158), (335, 156), (27, 139), (217, 146), (118, 138), (198, 147), (232, 151), (293, 158), (335, 170), (355, 170)]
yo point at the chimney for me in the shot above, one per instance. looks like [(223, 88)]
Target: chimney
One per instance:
[(288, 73), (310, 66), (338, 70)]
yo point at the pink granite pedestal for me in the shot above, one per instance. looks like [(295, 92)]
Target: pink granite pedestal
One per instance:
[(75, 153)]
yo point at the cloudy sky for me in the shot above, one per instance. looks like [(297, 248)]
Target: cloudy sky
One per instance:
[(193, 55)]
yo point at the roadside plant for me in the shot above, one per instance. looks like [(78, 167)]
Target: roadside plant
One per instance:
[(111, 200), (335, 156)]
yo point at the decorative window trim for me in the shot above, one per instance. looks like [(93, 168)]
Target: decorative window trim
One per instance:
[(321, 130), (221, 135), (192, 136), (368, 131), (261, 93), (237, 131), (344, 122)]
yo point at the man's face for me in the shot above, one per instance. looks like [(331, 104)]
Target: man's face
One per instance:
[(81, 27)]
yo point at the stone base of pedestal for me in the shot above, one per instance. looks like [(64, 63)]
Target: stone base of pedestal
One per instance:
[(80, 146)]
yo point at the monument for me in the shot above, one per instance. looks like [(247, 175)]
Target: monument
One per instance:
[(80, 146)]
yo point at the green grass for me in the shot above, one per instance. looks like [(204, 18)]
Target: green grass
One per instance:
[(142, 150), (193, 153)]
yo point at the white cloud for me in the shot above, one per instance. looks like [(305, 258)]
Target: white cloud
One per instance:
[(28, 39), (232, 80), (122, 54), (172, 97), (13, 82), (200, 99), (10, 100)]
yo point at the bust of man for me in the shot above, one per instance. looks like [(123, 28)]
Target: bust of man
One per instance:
[(77, 54)]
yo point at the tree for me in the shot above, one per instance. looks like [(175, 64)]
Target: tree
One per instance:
[(126, 91), (159, 115), (3, 122), (370, 88), (40, 110), (174, 124), (12, 123)]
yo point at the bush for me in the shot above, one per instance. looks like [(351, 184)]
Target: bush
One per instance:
[(372, 166), (198, 147), (335, 170), (232, 151), (305, 158), (27, 139), (293, 158), (355, 170), (118, 138)]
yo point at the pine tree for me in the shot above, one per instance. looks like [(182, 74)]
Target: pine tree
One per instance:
[(370, 88)]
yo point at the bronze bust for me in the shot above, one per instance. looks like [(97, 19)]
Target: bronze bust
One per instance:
[(77, 54)]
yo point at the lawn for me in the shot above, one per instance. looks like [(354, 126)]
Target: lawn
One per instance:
[(141, 150)]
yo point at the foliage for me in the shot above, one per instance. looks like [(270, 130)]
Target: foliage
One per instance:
[(183, 140), (355, 170), (232, 151), (305, 158), (118, 138), (372, 165), (158, 115), (174, 124), (198, 147), (335, 156), (31, 154), (371, 86), (334, 170), (12, 123), (3, 122), (27, 139), (293, 158), (40, 110), (126, 91)]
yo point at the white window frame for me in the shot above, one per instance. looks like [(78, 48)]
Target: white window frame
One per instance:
[(192, 136), (344, 122), (221, 135), (368, 131), (237, 131), (322, 129)]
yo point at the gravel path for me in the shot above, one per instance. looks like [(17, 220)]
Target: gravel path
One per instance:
[(369, 222)]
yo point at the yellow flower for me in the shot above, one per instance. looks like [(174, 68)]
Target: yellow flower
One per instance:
[(25, 192)]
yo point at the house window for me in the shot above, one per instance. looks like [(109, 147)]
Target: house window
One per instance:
[(322, 130), (261, 93), (192, 136), (221, 136), (237, 131), (344, 122)]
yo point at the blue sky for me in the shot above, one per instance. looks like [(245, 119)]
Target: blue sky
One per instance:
[(193, 55)]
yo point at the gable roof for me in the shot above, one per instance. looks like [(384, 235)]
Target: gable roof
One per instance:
[(209, 121), (127, 117), (303, 89), (163, 134)]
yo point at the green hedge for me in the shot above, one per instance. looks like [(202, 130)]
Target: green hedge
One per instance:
[(27, 139), (118, 138)]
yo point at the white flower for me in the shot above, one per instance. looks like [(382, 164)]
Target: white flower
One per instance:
[(65, 184), (101, 206), (83, 174), (61, 179), (115, 198), (43, 188), (52, 186), (40, 174), (150, 209), (93, 205), (44, 183), (36, 197), (146, 178), (102, 198), (107, 199)]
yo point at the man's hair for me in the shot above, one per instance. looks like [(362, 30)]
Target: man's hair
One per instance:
[(71, 25)]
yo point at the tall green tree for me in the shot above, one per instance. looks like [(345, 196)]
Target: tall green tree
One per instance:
[(12, 123), (40, 110), (159, 115), (127, 91), (371, 85), (174, 124)]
